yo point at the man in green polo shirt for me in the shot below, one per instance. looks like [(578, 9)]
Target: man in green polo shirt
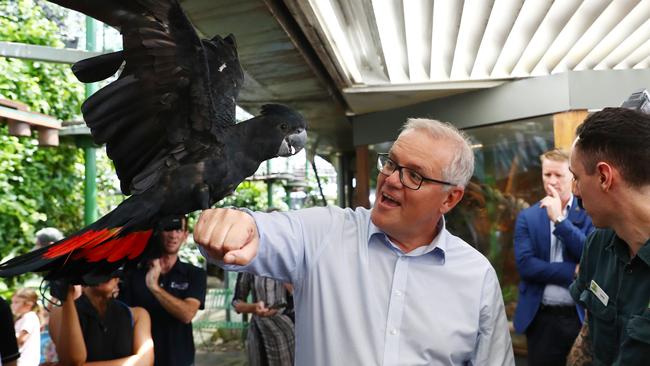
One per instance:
[(610, 162)]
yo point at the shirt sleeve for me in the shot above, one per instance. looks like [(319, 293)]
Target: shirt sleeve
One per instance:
[(243, 287), (573, 236), (494, 346), (289, 242), (8, 344), (32, 323), (529, 265), (580, 283), (198, 284)]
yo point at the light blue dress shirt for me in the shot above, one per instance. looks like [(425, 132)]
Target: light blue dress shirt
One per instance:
[(360, 300), (555, 294)]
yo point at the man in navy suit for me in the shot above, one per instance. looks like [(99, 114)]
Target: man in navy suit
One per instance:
[(549, 237)]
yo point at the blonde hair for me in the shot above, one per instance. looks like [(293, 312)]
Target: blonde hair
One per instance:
[(556, 154), (28, 294)]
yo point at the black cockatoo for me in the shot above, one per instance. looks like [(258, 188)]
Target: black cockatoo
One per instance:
[(168, 123)]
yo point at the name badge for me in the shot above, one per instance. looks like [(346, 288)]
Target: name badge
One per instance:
[(179, 285), (600, 294)]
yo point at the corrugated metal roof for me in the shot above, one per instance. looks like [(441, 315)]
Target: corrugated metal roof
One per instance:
[(278, 67), (422, 49)]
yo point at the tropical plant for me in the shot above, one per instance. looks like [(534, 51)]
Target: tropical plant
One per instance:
[(39, 186)]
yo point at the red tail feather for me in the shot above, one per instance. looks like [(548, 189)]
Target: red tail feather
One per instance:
[(104, 244)]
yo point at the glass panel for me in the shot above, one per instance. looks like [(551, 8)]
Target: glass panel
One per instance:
[(507, 179)]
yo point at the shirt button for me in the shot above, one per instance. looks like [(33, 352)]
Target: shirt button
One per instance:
[(398, 293), (628, 268), (393, 331)]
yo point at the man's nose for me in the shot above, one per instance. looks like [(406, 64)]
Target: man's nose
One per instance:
[(394, 179)]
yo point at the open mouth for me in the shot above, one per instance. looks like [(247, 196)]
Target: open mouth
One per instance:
[(389, 200)]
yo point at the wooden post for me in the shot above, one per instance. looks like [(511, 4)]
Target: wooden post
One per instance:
[(564, 127), (362, 189)]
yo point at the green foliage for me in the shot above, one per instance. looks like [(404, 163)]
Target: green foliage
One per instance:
[(47, 88), (249, 194), (39, 186)]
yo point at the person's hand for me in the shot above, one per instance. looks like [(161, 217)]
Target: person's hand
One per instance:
[(552, 204), (74, 291), (153, 274), (228, 235), (77, 291), (263, 311)]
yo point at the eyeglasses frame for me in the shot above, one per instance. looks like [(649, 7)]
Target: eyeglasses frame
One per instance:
[(401, 174)]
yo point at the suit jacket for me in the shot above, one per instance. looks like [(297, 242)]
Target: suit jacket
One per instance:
[(532, 252)]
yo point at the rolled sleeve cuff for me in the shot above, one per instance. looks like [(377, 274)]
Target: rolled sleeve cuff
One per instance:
[(575, 291)]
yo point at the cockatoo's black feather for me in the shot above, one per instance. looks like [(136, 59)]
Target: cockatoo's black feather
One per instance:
[(168, 123)]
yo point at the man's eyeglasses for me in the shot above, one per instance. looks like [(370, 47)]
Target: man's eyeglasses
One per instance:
[(409, 177)]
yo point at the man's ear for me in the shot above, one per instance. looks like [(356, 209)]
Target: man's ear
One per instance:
[(454, 195), (606, 174)]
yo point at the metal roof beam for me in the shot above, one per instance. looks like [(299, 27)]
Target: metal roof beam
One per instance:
[(608, 19), (444, 32), (43, 53), (581, 20), (472, 26), (503, 16), (625, 48), (556, 18), (417, 22), (528, 20), (391, 33), (632, 21)]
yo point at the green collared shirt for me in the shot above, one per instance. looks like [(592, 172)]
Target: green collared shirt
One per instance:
[(616, 293)]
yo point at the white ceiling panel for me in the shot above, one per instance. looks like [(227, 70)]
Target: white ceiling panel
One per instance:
[(418, 45)]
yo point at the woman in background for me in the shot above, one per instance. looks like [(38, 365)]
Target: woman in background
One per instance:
[(270, 338), (98, 328), (24, 305)]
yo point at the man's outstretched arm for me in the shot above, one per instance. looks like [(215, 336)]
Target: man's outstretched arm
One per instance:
[(227, 235)]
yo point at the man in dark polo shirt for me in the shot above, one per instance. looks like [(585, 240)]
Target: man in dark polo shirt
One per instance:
[(172, 291), (611, 166)]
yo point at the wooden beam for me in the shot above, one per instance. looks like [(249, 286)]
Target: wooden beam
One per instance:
[(33, 118), (564, 127), (43, 53), (21, 121), (362, 189)]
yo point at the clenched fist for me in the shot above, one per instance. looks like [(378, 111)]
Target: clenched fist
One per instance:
[(228, 235)]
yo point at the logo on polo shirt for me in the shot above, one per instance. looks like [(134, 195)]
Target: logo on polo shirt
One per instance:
[(179, 285)]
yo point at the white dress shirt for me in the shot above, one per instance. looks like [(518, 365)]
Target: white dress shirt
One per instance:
[(360, 300)]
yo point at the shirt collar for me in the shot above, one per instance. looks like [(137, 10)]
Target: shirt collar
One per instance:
[(569, 203), (178, 267), (437, 247), (644, 253), (622, 250)]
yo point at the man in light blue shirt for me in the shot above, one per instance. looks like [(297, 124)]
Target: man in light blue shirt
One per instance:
[(389, 286)]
